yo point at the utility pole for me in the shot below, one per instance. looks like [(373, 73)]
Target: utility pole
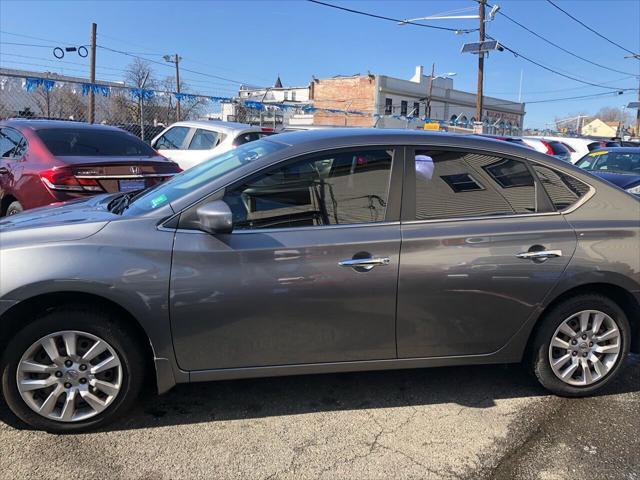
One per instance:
[(433, 72), (176, 59), (92, 72), (481, 4), (637, 57), (144, 82)]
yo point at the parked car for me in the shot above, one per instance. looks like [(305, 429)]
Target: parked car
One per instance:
[(620, 166), (193, 142), (554, 148), (282, 257), (49, 161), (580, 146), (504, 138)]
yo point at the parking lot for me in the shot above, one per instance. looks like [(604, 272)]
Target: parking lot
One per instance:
[(472, 422)]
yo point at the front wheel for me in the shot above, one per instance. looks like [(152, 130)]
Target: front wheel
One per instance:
[(14, 208), (71, 370), (580, 345)]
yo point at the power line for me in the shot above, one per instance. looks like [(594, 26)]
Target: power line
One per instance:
[(562, 99), (26, 44), (390, 19), (591, 29), (195, 72), (39, 38), (560, 47), (539, 92), (549, 69)]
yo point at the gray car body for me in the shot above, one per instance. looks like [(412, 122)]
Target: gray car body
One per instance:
[(215, 306)]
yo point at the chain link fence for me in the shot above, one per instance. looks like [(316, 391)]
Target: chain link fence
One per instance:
[(142, 112)]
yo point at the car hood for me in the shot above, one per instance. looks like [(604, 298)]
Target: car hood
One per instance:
[(622, 180), (64, 222)]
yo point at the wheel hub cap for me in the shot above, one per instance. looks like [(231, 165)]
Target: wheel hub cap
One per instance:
[(69, 376), (585, 347)]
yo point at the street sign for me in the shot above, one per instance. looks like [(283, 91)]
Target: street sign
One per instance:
[(481, 47)]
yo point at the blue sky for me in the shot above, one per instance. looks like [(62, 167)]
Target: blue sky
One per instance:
[(254, 41)]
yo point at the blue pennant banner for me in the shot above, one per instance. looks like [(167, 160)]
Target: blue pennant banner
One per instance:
[(141, 93), (97, 89), (31, 84), (184, 96)]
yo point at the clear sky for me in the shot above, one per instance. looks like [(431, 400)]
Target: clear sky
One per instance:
[(254, 41)]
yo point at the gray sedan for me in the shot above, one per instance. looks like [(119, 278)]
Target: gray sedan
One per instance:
[(319, 251)]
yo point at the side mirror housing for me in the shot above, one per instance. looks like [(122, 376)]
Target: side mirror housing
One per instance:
[(215, 217)]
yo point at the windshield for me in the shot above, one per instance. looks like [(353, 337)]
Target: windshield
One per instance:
[(608, 161), (200, 175), (93, 142)]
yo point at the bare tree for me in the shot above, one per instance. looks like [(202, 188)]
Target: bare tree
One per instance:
[(612, 114)]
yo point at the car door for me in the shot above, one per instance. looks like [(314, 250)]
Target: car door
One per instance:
[(309, 273), (482, 245), (12, 149), (173, 143)]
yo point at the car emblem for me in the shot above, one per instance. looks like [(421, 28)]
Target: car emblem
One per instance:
[(135, 170)]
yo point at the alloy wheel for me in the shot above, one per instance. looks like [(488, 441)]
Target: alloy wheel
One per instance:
[(69, 376), (585, 348)]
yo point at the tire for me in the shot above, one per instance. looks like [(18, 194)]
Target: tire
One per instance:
[(580, 383), (89, 325), (14, 208)]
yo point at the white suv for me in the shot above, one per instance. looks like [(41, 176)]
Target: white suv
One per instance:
[(192, 142)]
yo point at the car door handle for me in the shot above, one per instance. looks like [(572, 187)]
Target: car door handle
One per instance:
[(365, 264), (540, 255)]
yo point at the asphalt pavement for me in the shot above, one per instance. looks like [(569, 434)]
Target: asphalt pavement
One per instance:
[(446, 423)]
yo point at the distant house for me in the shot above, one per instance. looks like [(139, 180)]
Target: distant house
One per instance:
[(598, 128)]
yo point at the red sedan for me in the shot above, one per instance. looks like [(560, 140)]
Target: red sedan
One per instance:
[(50, 161)]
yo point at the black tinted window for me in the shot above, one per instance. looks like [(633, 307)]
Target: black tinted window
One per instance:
[(457, 184), (562, 189), (12, 144), (172, 139), (250, 137), (331, 189), (93, 142)]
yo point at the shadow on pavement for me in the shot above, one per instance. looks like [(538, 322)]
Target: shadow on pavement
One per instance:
[(473, 386)]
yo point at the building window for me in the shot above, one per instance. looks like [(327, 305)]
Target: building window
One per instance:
[(416, 109), (286, 95), (293, 96), (403, 107), (388, 106)]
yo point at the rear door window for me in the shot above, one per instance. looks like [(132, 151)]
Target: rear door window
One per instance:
[(205, 139), (563, 190), (450, 184), (172, 139)]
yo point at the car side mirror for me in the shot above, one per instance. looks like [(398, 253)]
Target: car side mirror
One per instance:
[(215, 217)]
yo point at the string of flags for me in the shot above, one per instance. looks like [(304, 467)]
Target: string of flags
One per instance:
[(31, 84)]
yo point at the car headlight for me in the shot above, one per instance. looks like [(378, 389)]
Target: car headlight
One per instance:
[(635, 190)]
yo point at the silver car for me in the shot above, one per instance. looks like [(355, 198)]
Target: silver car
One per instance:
[(320, 251)]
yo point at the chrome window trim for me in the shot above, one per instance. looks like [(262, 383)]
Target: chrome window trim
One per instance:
[(486, 217), (284, 229)]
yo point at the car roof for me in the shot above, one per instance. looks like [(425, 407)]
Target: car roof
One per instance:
[(616, 149), (217, 125), (40, 124), (343, 137)]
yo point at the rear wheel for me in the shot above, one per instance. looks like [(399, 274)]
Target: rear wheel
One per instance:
[(71, 370), (14, 208), (580, 345)]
